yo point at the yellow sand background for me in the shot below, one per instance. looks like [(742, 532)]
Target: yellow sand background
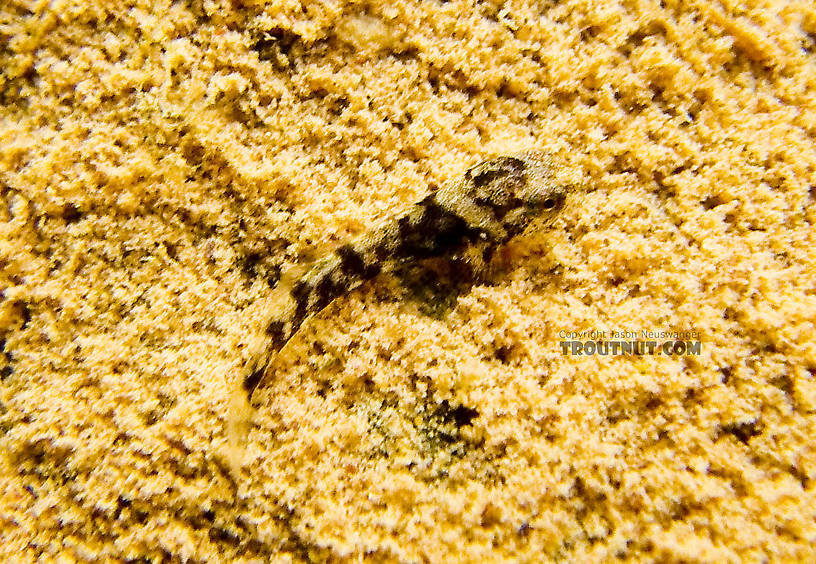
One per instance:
[(161, 162)]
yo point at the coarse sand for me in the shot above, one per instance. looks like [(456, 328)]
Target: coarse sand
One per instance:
[(161, 164)]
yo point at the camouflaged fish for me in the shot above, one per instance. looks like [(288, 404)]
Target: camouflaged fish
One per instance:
[(467, 218)]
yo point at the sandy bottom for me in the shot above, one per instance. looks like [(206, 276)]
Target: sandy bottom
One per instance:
[(162, 163)]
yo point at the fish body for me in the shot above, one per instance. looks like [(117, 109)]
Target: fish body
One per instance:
[(484, 208)]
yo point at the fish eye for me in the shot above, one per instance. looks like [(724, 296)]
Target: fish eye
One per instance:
[(549, 203)]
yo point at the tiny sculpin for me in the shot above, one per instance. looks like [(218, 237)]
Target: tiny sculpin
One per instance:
[(466, 218)]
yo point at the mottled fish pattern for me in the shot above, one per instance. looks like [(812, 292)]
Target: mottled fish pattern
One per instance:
[(482, 209)]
